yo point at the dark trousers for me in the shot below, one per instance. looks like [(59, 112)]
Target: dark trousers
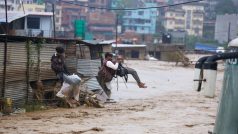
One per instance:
[(134, 74), (104, 86)]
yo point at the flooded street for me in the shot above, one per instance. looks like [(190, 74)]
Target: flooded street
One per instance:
[(168, 106)]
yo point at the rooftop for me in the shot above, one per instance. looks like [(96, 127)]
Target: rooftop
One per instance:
[(13, 15)]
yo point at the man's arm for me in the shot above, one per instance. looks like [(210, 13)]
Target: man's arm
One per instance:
[(111, 65)]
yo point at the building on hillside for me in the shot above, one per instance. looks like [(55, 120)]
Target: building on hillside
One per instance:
[(174, 19), (99, 3), (29, 24), (209, 29), (209, 8), (11, 5), (187, 18), (30, 6), (141, 21), (102, 25), (222, 27), (66, 14)]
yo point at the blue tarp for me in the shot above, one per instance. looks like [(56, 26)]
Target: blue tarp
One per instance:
[(205, 47)]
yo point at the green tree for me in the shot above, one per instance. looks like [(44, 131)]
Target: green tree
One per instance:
[(190, 41), (226, 7)]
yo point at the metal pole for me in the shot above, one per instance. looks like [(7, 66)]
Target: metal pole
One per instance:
[(53, 9), (116, 51), (27, 70), (5, 54), (229, 32)]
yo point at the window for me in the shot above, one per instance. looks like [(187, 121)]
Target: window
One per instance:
[(129, 13), (33, 23), (57, 20), (141, 12), (57, 11), (135, 54)]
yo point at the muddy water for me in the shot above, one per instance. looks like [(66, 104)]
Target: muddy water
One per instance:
[(167, 106)]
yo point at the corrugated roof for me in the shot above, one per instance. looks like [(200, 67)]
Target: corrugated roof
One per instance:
[(13, 15), (128, 45), (98, 42)]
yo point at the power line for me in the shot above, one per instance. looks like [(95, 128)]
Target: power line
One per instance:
[(140, 8)]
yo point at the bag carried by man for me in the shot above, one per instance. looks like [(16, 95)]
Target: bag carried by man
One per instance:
[(105, 73)]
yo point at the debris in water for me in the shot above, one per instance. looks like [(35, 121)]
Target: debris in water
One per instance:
[(35, 118), (92, 129)]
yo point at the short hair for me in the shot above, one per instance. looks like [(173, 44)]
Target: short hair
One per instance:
[(59, 50), (108, 55)]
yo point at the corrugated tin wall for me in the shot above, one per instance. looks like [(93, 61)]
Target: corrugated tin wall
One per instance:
[(90, 68), (17, 79), (1, 66), (16, 83)]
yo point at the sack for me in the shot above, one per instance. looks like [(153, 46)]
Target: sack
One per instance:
[(104, 74), (72, 79)]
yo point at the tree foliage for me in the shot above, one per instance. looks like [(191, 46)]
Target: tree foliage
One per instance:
[(226, 7)]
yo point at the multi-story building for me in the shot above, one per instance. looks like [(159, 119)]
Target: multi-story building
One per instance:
[(102, 25), (141, 21), (187, 18), (99, 3), (11, 5), (31, 6), (174, 19), (66, 14), (226, 27), (194, 17)]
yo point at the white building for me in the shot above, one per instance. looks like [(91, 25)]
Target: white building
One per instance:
[(188, 17), (29, 24), (11, 5)]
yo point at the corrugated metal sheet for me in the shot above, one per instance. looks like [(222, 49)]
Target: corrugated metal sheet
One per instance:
[(17, 91), (16, 75), (71, 64), (16, 83), (93, 84), (88, 67), (46, 53), (1, 66)]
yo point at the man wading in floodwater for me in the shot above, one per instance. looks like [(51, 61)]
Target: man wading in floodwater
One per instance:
[(109, 70)]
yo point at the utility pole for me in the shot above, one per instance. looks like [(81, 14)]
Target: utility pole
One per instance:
[(116, 51), (229, 32), (5, 53), (53, 10)]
